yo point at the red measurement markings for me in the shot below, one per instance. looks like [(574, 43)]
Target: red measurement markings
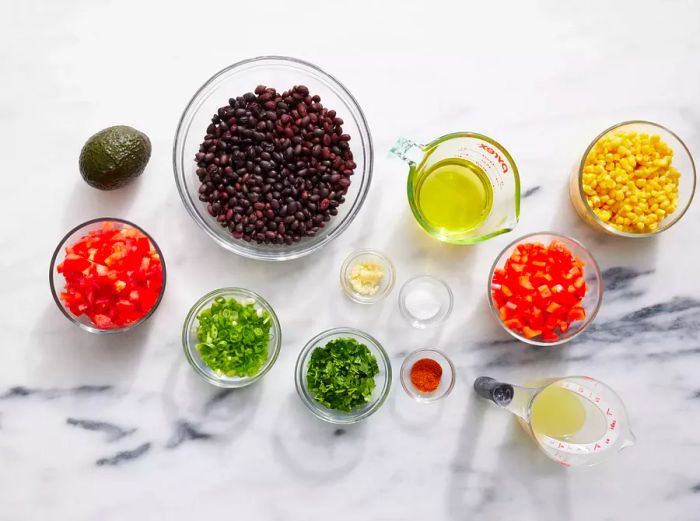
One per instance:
[(496, 155), (612, 425)]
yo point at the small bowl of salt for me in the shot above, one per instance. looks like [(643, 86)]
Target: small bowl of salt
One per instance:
[(425, 301)]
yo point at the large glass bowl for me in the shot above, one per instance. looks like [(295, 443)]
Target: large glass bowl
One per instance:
[(682, 161), (382, 379), (591, 302), (189, 337), (281, 73), (57, 282)]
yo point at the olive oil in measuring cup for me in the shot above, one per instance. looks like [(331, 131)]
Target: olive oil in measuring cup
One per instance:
[(463, 188), (453, 195)]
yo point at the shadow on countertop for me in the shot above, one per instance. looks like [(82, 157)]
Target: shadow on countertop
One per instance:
[(329, 451), (61, 353), (517, 471)]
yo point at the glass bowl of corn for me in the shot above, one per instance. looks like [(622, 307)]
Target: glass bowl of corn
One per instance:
[(636, 179)]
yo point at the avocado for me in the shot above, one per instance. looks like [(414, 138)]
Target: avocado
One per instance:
[(114, 157)]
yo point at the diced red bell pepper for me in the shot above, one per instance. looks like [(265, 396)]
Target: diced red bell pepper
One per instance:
[(540, 290), (531, 333), (524, 281), (514, 323), (544, 291)]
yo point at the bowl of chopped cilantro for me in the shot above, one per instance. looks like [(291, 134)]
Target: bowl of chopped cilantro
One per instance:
[(343, 375), (231, 337)]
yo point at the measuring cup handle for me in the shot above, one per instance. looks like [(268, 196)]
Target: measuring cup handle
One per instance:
[(498, 392), (407, 150)]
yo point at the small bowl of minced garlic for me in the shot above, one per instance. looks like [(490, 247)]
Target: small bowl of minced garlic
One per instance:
[(367, 276)]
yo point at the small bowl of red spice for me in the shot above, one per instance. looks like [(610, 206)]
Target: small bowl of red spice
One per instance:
[(427, 375), (107, 275)]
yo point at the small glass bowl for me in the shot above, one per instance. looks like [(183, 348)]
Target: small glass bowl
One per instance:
[(189, 338), (385, 285), (594, 279), (431, 294), (57, 283), (447, 381), (682, 161), (382, 379), (282, 73)]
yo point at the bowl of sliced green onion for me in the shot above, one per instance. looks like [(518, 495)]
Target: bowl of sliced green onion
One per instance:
[(231, 337), (343, 375)]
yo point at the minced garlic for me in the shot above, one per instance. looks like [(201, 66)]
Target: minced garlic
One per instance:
[(366, 277)]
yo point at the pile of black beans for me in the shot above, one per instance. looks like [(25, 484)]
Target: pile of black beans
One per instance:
[(274, 167)]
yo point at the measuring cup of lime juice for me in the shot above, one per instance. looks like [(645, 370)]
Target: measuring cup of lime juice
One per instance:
[(575, 420), (463, 188)]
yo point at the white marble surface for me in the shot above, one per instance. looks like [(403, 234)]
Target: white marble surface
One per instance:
[(541, 77)]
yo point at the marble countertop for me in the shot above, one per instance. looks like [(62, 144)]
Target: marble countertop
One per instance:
[(120, 427)]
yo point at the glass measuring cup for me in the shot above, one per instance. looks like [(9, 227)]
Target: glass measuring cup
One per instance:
[(463, 188), (576, 420)]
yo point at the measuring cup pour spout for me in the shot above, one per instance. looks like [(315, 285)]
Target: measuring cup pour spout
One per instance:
[(511, 397)]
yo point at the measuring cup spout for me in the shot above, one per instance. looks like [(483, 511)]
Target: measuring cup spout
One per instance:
[(407, 150), (629, 440), (511, 397)]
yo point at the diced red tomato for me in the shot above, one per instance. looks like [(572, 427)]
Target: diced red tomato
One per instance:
[(539, 291), (113, 276)]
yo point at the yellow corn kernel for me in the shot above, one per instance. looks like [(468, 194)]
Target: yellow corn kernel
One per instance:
[(629, 182)]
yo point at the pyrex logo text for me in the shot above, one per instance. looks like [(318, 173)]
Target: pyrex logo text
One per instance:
[(496, 155)]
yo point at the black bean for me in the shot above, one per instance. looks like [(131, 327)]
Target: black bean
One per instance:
[(272, 167)]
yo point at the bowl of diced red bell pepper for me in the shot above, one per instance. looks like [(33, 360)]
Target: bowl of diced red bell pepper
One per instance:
[(545, 288), (107, 275)]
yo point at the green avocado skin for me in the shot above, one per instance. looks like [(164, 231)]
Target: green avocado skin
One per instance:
[(114, 157)]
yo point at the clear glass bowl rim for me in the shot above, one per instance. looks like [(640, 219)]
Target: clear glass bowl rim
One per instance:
[(680, 213), (589, 319), (190, 350), (52, 283), (180, 134), (312, 404), (425, 324)]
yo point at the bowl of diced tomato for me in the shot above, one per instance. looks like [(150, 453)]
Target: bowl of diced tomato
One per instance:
[(107, 275), (545, 289)]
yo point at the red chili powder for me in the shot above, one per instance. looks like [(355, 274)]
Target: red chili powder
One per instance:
[(426, 374)]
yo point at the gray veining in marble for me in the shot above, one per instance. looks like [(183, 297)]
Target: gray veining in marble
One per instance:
[(119, 427)]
